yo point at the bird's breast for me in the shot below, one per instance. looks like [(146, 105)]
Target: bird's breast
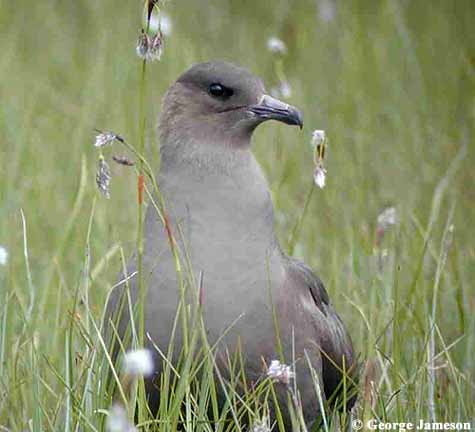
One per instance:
[(224, 227)]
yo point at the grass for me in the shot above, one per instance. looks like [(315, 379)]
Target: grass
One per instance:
[(391, 82)]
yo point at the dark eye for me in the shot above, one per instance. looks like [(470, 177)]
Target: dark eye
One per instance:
[(219, 91)]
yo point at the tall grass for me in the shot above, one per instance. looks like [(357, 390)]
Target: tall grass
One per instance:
[(392, 83)]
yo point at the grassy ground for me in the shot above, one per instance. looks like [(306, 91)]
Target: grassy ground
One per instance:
[(392, 83)]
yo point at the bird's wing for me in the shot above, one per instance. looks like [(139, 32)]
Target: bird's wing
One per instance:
[(330, 334)]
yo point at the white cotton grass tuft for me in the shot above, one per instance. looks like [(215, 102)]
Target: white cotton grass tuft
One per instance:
[(117, 420), (319, 143), (166, 25), (142, 45), (138, 363), (387, 218), (318, 138), (261, 425), (155, 48), (3, 256), (158, 22), (104, 137), (280, 372), (103, 177), (149, 48), (319, 175), (276, 45)]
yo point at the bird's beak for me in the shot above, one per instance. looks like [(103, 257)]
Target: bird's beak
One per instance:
[(270, 108)]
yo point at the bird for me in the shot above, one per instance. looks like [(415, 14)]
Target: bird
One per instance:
[(220, 211)]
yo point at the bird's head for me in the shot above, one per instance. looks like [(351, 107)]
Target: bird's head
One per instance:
[(218, 103)]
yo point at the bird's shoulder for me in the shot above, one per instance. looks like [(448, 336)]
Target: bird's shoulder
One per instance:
[(304, 276)]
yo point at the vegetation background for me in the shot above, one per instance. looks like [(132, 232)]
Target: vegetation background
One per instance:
[(392, 83)]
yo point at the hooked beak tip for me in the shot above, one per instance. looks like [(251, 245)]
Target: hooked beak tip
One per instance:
[(270, 108), (299, 117)]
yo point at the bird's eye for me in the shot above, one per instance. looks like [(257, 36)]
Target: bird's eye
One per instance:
[(219, 91)]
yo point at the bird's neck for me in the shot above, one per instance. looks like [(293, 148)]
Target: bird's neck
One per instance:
[(220, 197), (226, 156)]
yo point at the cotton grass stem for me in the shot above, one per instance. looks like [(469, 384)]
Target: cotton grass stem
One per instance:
[(140, 205), (140, 248), (298, 225)]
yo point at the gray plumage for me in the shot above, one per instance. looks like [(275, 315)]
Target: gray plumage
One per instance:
[(221, 213)]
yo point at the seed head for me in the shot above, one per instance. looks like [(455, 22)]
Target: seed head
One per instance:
[(318, 142), (155, 47), (261, 425), (280, 372), (166, 25), (103, 177), (138, 363), (387, 218), (122, 160), (117, 420), (319, 175), (318, 138), (149, 48), (3, 256), (104, 138), (160, 23), (276, 46), (142, 45)]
